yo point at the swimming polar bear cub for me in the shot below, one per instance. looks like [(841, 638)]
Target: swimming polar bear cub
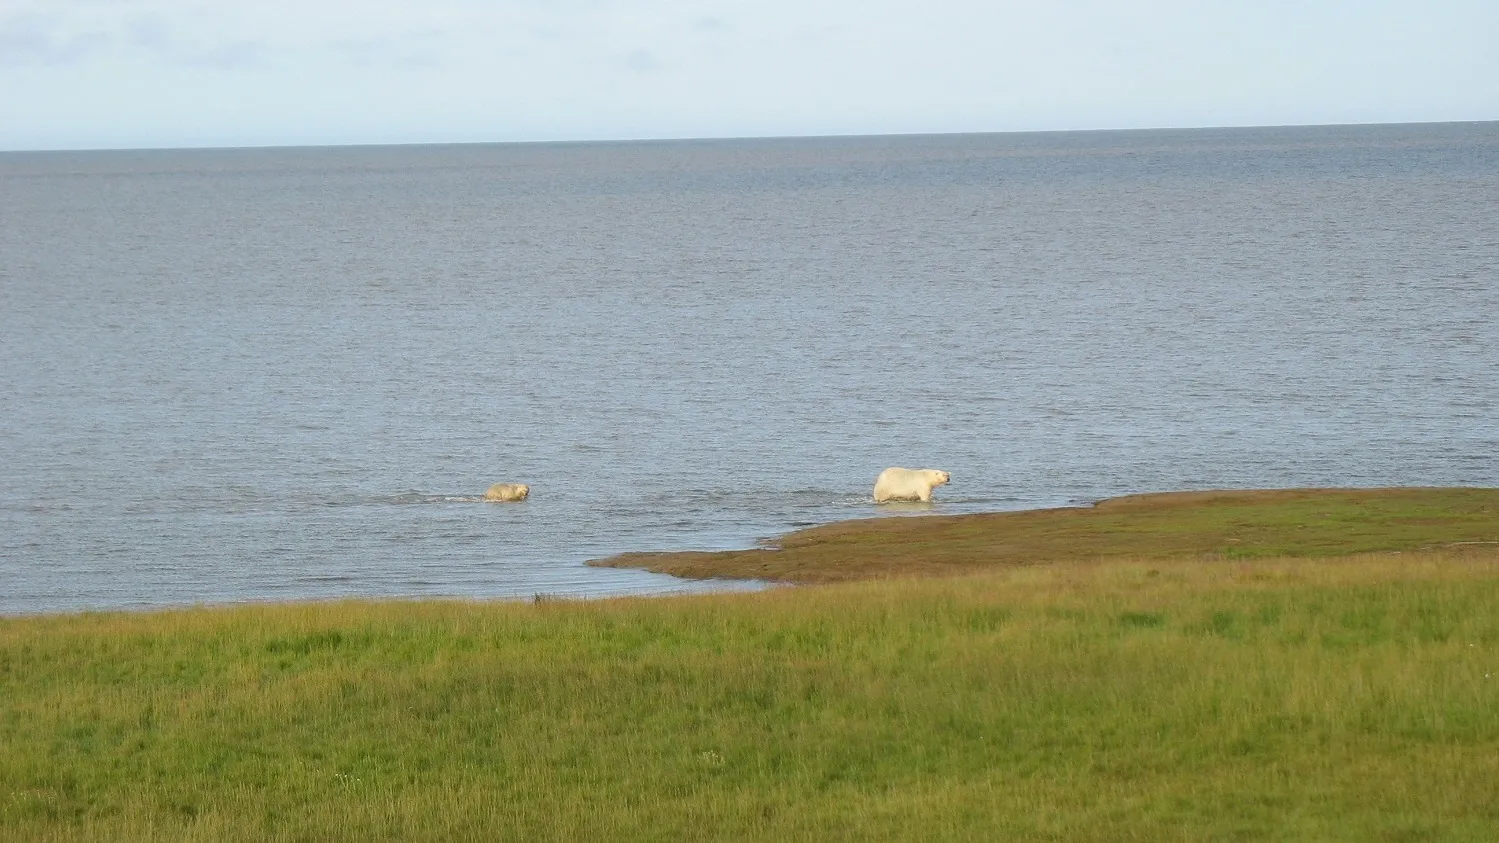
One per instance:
[(507, 492), (908, 484)]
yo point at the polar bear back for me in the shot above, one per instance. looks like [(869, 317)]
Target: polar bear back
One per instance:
[(908, 484), (507, 492)]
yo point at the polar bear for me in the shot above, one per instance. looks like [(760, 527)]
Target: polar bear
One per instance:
[(908, 484), (507, 492)]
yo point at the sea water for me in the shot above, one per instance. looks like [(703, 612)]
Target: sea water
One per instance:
[(270, 374)]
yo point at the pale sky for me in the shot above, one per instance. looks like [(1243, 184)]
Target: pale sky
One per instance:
[(172, 73)]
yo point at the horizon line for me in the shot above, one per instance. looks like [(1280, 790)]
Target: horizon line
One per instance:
[(721, 138)]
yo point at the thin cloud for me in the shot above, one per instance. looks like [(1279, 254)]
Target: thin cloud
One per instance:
[(233, 56), (712, 23), (642, 61), (150, 32), (410, 49), (36, 39)]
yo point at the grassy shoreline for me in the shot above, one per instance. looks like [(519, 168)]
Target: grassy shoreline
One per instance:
[(1300, 695), (1170, 525)]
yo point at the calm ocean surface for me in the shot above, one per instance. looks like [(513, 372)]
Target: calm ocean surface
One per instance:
[(242, 375)]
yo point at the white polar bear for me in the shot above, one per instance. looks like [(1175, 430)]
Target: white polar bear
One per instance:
[(908, 484), (507, 492)]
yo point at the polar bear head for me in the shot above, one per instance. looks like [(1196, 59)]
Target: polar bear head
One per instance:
[(936, 477)]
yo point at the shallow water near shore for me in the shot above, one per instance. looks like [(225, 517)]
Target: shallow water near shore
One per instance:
[(275, 374)]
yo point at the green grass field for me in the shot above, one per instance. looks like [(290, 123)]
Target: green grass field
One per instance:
[(1180, 698)]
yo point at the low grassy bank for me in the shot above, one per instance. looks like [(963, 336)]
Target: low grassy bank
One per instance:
[(1349, 698), (1174, 525), (1338, 700)]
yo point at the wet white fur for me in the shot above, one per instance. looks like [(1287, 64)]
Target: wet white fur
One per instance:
[(908, 484), (507, 492)]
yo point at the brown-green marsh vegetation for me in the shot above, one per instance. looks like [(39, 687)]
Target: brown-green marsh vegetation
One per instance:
[(1227, 524)]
